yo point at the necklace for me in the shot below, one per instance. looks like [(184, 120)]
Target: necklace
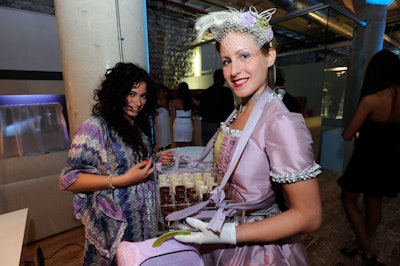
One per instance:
[(253, 98)]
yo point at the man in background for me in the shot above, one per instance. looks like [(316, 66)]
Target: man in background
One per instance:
[(216, 104), (291, 102)]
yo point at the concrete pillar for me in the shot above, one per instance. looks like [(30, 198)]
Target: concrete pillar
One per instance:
[(366, 42), (94, 35)]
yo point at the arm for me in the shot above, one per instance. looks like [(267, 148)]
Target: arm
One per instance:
[(291, 157), (303, 216), (362, 112), (87, 182), (92, 182), (88, 166), (293, 165)]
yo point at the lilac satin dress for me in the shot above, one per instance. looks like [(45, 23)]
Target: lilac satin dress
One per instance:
[(278, 150), (280, 147)]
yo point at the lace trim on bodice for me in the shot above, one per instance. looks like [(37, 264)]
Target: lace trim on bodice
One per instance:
[(229, 138), (298, 176), (226, 129)]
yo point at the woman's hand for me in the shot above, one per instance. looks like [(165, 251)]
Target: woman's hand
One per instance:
[(165, 157), (136, 174), (206, 236)]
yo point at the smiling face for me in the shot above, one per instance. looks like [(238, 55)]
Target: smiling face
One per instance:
[(135, 100), (244, 64)]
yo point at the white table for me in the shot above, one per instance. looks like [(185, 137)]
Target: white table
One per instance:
[(192, 151), (12, 231)]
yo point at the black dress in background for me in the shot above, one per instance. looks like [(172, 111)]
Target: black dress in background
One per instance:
[(372, 169)]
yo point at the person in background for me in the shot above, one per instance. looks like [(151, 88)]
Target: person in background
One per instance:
[(277, 152), (110, 167), (181, 113), (216, 103), (291, 103), (161, 124), (375, 128)]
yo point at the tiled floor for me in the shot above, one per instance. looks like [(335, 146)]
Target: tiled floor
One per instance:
[(324, 245)]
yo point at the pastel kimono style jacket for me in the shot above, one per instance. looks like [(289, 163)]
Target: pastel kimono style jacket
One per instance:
[(274, 147), (111, 215)]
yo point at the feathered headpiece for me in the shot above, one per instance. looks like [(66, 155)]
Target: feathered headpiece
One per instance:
[(222, 22)]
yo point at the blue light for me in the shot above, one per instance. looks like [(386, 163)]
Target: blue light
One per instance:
[(36, 99), (379, 2), (32, 99)]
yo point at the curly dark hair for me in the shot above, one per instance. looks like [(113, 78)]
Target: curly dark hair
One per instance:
[(111, 99)]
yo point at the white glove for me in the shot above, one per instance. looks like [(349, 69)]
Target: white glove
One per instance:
[(206, 236)]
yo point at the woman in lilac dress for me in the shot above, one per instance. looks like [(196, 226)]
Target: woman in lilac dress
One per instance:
[(266, 147), (109, 165)]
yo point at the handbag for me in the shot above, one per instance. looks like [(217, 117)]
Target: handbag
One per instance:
[(171, 252)]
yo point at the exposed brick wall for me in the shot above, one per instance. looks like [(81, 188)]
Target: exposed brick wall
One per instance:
[(171, 32)]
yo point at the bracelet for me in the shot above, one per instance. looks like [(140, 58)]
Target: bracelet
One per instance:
[(110, 182)]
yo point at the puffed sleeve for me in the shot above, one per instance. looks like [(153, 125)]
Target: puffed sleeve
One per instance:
[(289, 148)]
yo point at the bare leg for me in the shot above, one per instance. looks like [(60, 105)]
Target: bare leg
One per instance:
[(373, 214), (356, 219)]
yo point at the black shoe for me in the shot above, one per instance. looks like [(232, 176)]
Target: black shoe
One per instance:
[(350, 253), (372, 261)]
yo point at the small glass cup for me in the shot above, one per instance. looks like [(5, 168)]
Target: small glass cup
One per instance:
[(193, 197), (180, 200), (165, 191), (174, 177), (206, 196), (167, 210), (190, 190), (181, 206), (163, 178), (180, 190), (166, 200)]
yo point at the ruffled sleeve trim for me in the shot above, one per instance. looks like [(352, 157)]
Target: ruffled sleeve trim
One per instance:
[(310, 173)]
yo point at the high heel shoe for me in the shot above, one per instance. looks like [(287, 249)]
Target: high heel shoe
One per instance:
[(350, 253), (372, 261)]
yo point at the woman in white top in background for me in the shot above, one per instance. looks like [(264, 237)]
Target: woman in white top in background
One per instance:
[(181, 113)]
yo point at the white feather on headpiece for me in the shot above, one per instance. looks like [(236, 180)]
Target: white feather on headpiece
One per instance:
[(215, 19), (222, 22)]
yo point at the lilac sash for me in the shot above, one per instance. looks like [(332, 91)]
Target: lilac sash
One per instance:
[(224, 208)]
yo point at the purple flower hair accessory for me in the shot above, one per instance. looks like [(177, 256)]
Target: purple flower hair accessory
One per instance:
[(247, 19)]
